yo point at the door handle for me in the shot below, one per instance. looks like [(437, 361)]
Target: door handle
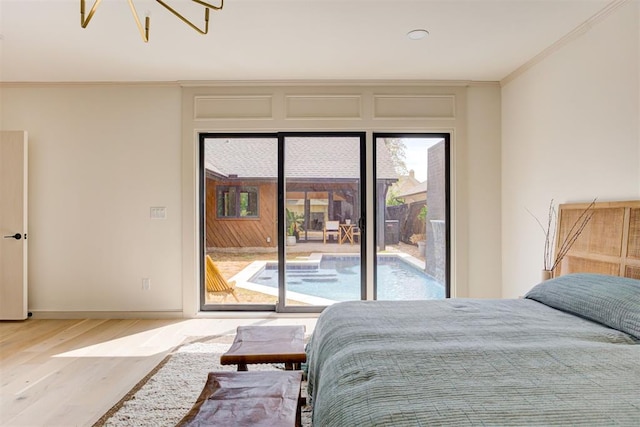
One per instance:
[(16, 236)]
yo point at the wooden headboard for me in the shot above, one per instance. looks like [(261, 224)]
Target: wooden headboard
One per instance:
[(610, 242)]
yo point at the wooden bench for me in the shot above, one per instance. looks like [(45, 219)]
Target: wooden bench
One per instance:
[(267, 344), (258, 398)]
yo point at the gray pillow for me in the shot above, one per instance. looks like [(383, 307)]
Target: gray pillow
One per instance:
[(610, 300)]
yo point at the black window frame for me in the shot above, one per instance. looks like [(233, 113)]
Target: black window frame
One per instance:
[(447, 202), (238, 191)]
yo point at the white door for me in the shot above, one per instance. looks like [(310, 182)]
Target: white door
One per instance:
[(13, 225)]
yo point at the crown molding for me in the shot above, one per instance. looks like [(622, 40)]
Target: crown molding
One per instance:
[(560, 43), (261, 83), (88, 83), (352, 83)]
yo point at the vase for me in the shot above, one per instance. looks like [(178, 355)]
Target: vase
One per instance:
[(547, 274)]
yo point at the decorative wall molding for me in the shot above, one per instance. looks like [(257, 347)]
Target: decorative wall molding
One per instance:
[(323, 106), (233, 107), (414, 106), (336, 107)]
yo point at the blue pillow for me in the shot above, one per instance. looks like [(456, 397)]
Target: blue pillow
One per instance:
[(610, 300)]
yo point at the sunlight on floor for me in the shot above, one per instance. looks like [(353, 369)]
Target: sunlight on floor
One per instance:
[(158, 340)]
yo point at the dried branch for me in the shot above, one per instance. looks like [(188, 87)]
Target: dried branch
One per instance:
[(576, 229), (549, 232), (574, 232)]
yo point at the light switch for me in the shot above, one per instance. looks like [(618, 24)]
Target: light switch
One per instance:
[(158, 212)]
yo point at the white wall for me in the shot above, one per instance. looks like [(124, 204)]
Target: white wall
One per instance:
[(483, 158), (99, 157), (569, 133), (102, 154)]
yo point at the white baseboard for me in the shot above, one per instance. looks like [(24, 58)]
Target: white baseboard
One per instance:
[(167, 315), (106, 314)]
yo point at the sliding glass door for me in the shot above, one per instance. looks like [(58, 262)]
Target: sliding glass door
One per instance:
[(412, 211), (322, 211), (283, 219), (239, 207)]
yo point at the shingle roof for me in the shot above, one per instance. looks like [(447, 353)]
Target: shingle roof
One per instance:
[(306, 157), (416, 189)]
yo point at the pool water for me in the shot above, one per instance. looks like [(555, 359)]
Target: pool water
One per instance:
[(338, 278)]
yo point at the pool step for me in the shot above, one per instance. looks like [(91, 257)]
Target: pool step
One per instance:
[(299, 278), (311, 275), (319, 279)]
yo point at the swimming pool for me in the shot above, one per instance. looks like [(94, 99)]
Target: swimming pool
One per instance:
[(338, 278)]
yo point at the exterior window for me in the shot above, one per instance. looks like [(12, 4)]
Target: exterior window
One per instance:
[(236, 201)]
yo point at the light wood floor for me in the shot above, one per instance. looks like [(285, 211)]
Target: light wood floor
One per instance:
[(70, 372)]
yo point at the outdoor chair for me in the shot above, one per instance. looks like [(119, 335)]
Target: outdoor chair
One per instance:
[(331, 228), (218, 285), (356, 232)]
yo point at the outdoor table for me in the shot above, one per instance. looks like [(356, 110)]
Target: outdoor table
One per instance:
[(346, 233)]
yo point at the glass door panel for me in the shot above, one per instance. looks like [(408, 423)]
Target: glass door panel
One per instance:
[(411, 216), (322, 209), (239, 211)]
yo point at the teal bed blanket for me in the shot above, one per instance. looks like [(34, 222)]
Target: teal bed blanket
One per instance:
[(478, 362)]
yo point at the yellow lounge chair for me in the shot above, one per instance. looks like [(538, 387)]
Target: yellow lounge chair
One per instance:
[(216, 284)]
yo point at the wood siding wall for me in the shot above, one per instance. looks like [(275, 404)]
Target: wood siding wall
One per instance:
[(242, 232)]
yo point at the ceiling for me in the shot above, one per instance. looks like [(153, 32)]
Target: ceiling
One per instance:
[(481, 40)]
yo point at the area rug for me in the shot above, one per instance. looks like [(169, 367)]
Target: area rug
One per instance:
[(169, 391)]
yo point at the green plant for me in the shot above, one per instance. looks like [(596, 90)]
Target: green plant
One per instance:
[(294, 222), (422, 215), (393, 199)]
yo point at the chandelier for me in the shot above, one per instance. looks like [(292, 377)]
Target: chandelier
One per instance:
[(144, 32)]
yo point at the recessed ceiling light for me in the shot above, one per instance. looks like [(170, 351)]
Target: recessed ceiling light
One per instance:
[(417, 34)]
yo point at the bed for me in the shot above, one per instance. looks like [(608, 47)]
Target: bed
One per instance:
[(568, 353)]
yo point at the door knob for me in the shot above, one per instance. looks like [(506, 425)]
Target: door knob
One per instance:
[(16, 236)]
